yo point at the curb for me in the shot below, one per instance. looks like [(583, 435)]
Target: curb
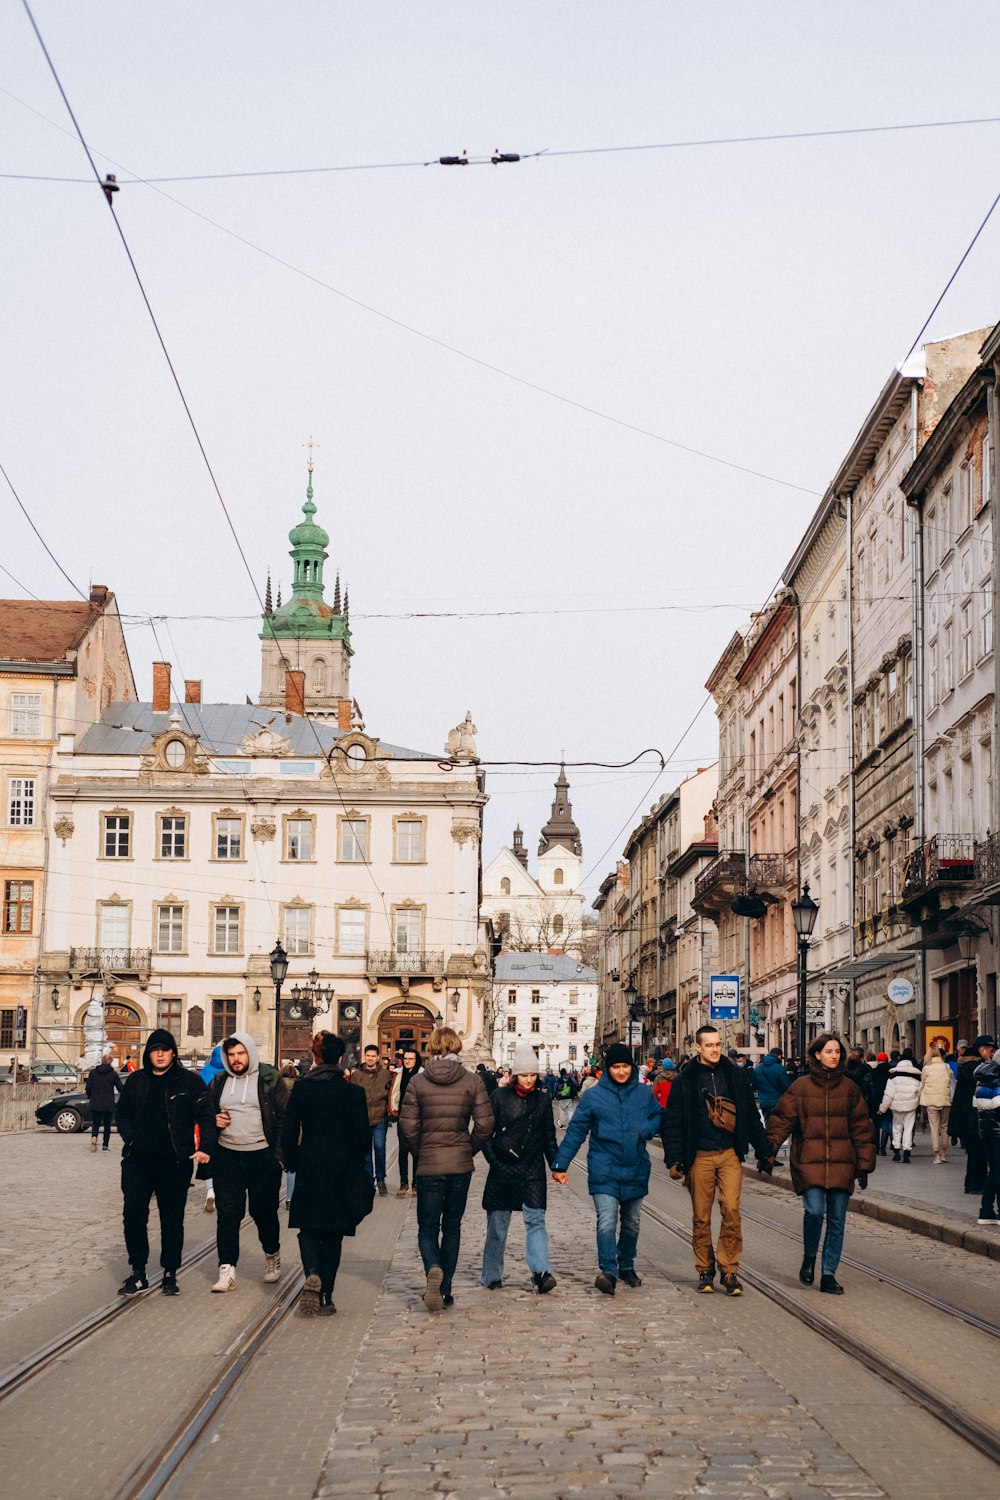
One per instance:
[(903, 1215)]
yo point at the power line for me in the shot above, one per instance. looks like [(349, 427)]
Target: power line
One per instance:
[(497, 158), (44, 543), (967, 252)]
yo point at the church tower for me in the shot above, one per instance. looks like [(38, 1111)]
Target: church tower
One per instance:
[(560, 851), (307, 634)]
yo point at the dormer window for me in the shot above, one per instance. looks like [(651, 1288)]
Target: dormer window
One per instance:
[(505, 886), (175, 754)]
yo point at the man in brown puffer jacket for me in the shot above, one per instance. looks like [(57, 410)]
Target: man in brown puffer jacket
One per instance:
[(438, 1108), (833, 1143)]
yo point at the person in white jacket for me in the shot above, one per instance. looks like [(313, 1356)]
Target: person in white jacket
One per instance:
[(937, 1084), (902, 1096)]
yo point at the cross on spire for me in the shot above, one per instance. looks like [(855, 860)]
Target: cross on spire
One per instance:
[(311, 445)]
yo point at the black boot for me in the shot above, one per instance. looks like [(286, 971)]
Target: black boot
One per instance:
[(831, 1284), (807, 1270), (906, 1155), (895, 1154)]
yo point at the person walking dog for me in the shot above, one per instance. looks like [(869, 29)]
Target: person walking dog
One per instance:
[(833, 1146), (619, 1115), (522, 1142)]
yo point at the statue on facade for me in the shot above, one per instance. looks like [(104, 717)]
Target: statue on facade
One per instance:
[(95, 1038), (461, 744)]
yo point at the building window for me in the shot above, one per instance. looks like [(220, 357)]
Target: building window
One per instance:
[(226, 929), (505, 886), (512, 1024), (512, 997), (558, 876), (229, 838), (408, 925), (21, 802), (298, 929), (932, 676), (986, 625), (299, 838), (536, 997), (26, 715), (354, 840), (572, 1054), (113, 924), (352, 923), (572, 1025), (18, 905), (410, 841), (536, 1024), (173, 837), (223, 1020), (168, 1015), (574, 997), (117, 836), (170, 929), (11, 1039), (947, 663), (965, 641), (557, 924), (319, 676)]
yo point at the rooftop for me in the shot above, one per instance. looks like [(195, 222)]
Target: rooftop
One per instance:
[(42, 629), (543, 968)]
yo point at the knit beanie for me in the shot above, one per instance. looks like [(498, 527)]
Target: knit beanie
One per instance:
[(524, 1059), (161, 1039), (618, 1053)]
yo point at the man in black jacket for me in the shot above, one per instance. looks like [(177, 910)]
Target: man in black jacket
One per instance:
[(710, 1122), (159, 1108)]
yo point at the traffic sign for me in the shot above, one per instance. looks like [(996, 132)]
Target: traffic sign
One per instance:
[(724, 997)]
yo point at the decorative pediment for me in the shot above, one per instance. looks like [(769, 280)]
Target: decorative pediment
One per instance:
[(229, 812), (352, 901), (263, 829), (265, 744), (172, 812)]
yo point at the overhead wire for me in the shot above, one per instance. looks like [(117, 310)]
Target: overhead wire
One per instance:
[(75, 586)]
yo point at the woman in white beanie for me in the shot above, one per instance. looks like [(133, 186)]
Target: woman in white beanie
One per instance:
[(521, 1145)]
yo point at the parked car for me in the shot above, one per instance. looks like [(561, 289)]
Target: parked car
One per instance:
[(67, 1112), (7, 1076), (54, 1072)]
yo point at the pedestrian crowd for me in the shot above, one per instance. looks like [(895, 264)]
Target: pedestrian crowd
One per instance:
[(243, 1123)]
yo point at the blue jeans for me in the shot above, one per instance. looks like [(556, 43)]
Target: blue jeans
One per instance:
[(440, 1206), (378, 1149), (536, 1242), (831, 1202), (616, 1251)]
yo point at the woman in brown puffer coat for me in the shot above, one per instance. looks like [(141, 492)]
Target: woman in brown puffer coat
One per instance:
[(833, 1142)]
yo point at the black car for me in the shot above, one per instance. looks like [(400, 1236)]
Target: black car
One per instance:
[(67, 1112)]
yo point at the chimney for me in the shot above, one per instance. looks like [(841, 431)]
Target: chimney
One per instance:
[(192, 692), (161, 687), (344, 714), (295, 692), (98, 595)]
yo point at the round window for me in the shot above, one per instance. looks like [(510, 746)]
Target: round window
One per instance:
[(175, 754), (357, 755)]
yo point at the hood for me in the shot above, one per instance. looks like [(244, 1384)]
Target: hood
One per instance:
[(607, 1082), (250, 1045), (905, 1069), (158, 1038), (446, 1069), (988, 1072)]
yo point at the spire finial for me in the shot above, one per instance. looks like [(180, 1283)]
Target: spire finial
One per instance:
[(268, 609), (336, 595), (279, 596), (310, 466), (347, 604)]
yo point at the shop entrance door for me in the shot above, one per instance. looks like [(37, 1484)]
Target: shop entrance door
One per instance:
[(124, 1030), (404, 1025)]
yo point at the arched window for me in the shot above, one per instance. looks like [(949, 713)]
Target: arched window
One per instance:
[(557, 877), (505, 886), (557, 924), (319, 675)]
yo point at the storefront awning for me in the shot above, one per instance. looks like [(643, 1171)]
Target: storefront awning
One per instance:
[(870, 963)]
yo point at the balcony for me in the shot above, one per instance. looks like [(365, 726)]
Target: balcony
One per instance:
[(395, 963), (943, 866), (119, 961), (722, 879), (988, 867), (772, 873)]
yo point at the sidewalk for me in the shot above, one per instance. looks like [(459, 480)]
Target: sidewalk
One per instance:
[(920, 1197)]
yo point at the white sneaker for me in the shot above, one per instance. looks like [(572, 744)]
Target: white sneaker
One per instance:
[(210, 1204), (227, 1279), (272, 1266)]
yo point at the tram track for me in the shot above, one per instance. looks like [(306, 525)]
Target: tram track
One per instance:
[(978, 1434)]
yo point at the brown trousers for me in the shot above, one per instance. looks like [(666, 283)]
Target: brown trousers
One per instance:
[(711, 1171)]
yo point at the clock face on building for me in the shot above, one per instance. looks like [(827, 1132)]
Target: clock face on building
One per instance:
[(175, 753), (349, 1012)]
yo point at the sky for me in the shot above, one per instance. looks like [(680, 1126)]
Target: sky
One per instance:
[(496, 363)]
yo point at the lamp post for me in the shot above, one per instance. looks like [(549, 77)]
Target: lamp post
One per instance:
[(628, 995), (804, 913), (279, 968)]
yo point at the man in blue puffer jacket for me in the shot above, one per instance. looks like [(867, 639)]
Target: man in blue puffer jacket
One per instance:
[(770, 1081), (620, 1114)]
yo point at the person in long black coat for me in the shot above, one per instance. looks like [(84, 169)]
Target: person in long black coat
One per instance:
[(325, 1140), (522, 1145)]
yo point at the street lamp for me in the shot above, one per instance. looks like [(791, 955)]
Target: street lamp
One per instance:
[(311, 999), (279, 968), (804, 913)]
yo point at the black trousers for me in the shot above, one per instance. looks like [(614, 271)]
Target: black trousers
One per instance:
[(169, 1179), (405, 1157), (101, 1118), (239, 1178), (320, 1254), (976, 1163)]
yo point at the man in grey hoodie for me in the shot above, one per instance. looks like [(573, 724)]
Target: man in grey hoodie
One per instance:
[(249, 1098)]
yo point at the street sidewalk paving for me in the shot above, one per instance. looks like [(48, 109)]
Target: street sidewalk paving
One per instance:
[(571, 1395)]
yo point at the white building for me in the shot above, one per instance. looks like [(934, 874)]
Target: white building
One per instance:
[(549, 1000), (189, 838), (533, 913)]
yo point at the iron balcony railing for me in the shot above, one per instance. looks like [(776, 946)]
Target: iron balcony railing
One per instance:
[(393, 961), (726, 872), (113, 960), (771, 872), (988, 860), (945, 859)]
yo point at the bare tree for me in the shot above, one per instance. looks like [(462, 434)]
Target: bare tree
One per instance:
[(543, 926)]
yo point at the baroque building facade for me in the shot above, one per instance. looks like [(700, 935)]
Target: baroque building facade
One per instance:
[(535, 913)]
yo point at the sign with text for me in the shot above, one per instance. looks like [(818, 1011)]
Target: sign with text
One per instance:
[(724, 997)]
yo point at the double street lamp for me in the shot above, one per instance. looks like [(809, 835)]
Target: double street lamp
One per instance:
[(804, 913), (636, 1007), (279, 969)]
